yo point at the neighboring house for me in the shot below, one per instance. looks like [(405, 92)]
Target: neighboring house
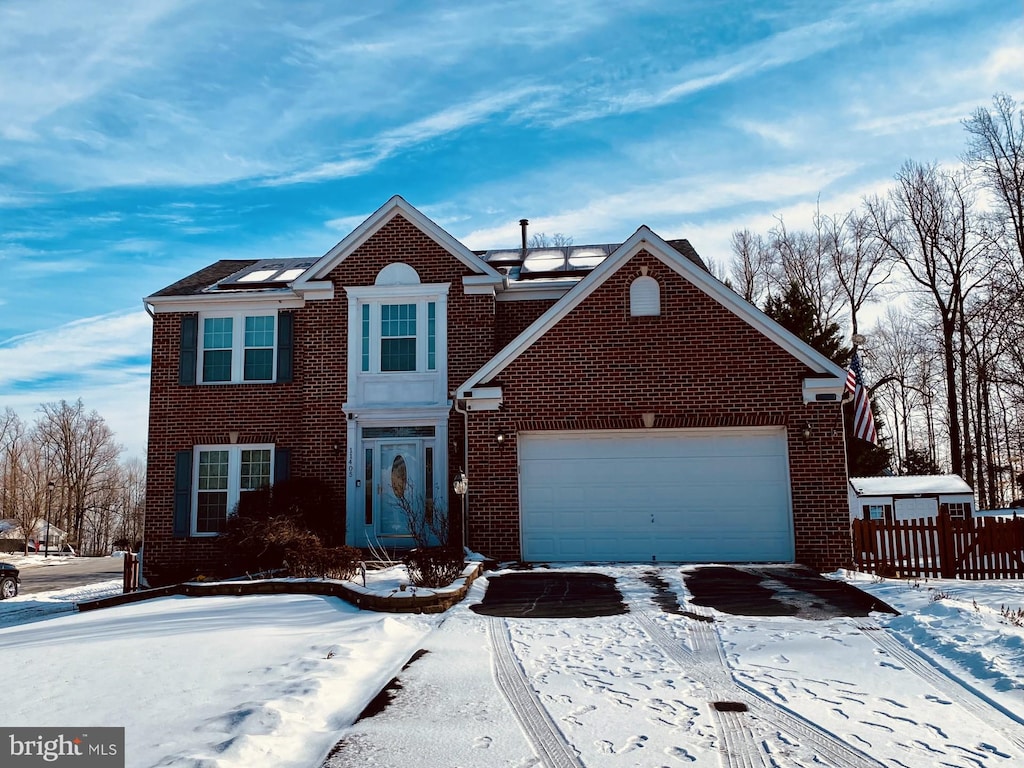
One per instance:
[(910, 497), (609, 402), (12, 538)]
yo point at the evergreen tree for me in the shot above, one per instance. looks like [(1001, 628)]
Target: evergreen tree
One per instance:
[(917, 462), (795, 312)]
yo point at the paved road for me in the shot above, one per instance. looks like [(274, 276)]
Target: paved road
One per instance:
[(76, 573)]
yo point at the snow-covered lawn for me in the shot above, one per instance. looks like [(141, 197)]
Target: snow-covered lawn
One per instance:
[(278, 680)]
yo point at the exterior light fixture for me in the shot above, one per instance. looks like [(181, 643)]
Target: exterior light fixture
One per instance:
[(806, 432), (461, 484), (461, 487), (500, 438)]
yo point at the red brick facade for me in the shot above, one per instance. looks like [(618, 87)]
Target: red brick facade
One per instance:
[(697, 364)]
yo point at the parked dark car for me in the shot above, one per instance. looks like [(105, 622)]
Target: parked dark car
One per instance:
[(9, 581)]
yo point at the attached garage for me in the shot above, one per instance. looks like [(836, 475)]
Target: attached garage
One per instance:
[(715, 495)]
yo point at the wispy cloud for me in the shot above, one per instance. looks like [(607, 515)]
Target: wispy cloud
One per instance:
[(74, 349), (615, 216), (70, 62), (800, 42), (102, 360), (443, 123)]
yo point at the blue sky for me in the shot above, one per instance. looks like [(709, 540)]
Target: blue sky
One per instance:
[(142, 141)]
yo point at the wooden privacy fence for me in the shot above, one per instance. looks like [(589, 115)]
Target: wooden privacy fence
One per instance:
[(938, 547)]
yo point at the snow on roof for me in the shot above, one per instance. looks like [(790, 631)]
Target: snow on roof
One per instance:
[(889, 485)]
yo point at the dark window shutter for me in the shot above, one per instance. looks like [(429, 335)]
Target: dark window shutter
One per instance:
[(888, 513), (189, 351), (866, 511), (182, 494), (282, 464), (285, 345)]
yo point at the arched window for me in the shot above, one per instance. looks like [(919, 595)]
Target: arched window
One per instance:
[(397, 273), (645, 297)]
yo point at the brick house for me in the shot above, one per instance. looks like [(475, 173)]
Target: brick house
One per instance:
[(609, 402)]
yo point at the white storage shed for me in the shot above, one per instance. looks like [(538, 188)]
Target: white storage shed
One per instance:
[(909, 497)]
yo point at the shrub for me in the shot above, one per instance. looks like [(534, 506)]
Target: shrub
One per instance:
[(434, 566), (317, 562), (309, 502), (259, 544)]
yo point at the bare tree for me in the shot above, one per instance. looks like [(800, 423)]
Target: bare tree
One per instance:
[(543, 240), (995, 152), (898, 347), (802, 258), (860, 262), (83, 449), (131, 506), (929, 224), (751, 266), (21, 492)]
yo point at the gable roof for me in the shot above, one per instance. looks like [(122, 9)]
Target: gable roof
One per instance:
[(694, 272), (397, 205), (909, 484)]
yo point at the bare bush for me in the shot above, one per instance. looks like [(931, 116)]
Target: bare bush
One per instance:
[(316, 562), (434, 567)]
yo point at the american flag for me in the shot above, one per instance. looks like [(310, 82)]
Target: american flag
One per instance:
[(863, 419)]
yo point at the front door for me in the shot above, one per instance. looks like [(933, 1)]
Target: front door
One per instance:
[(399, 486)]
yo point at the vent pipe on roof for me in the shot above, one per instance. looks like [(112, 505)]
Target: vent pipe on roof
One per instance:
[(524, 223)]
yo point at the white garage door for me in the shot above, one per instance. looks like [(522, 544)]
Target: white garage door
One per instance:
[(675, 495)]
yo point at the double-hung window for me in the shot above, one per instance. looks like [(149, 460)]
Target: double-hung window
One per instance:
[(237, 347), (398, 336), (223, 474)]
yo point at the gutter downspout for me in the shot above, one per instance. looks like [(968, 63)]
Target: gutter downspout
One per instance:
[(465, 468), (149, 310)]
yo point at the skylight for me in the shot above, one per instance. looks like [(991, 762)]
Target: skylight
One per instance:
[(258, 277), (267, 273)]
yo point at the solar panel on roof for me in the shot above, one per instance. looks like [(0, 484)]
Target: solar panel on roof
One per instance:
[(258, 276), (268, 272), (546, 260), (587, 256), (498, 257)]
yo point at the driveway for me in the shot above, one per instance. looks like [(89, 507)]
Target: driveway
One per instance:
[(753, 590), (511, 680)]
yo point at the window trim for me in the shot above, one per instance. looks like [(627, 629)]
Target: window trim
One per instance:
[(234, 491), (645, 297), (238, 347), (376, 296)]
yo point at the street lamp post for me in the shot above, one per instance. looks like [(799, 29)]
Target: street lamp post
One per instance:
[(49, 496)]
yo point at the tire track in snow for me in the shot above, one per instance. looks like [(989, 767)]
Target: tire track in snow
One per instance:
[(548, 741), (989, 712), (707, 664)]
